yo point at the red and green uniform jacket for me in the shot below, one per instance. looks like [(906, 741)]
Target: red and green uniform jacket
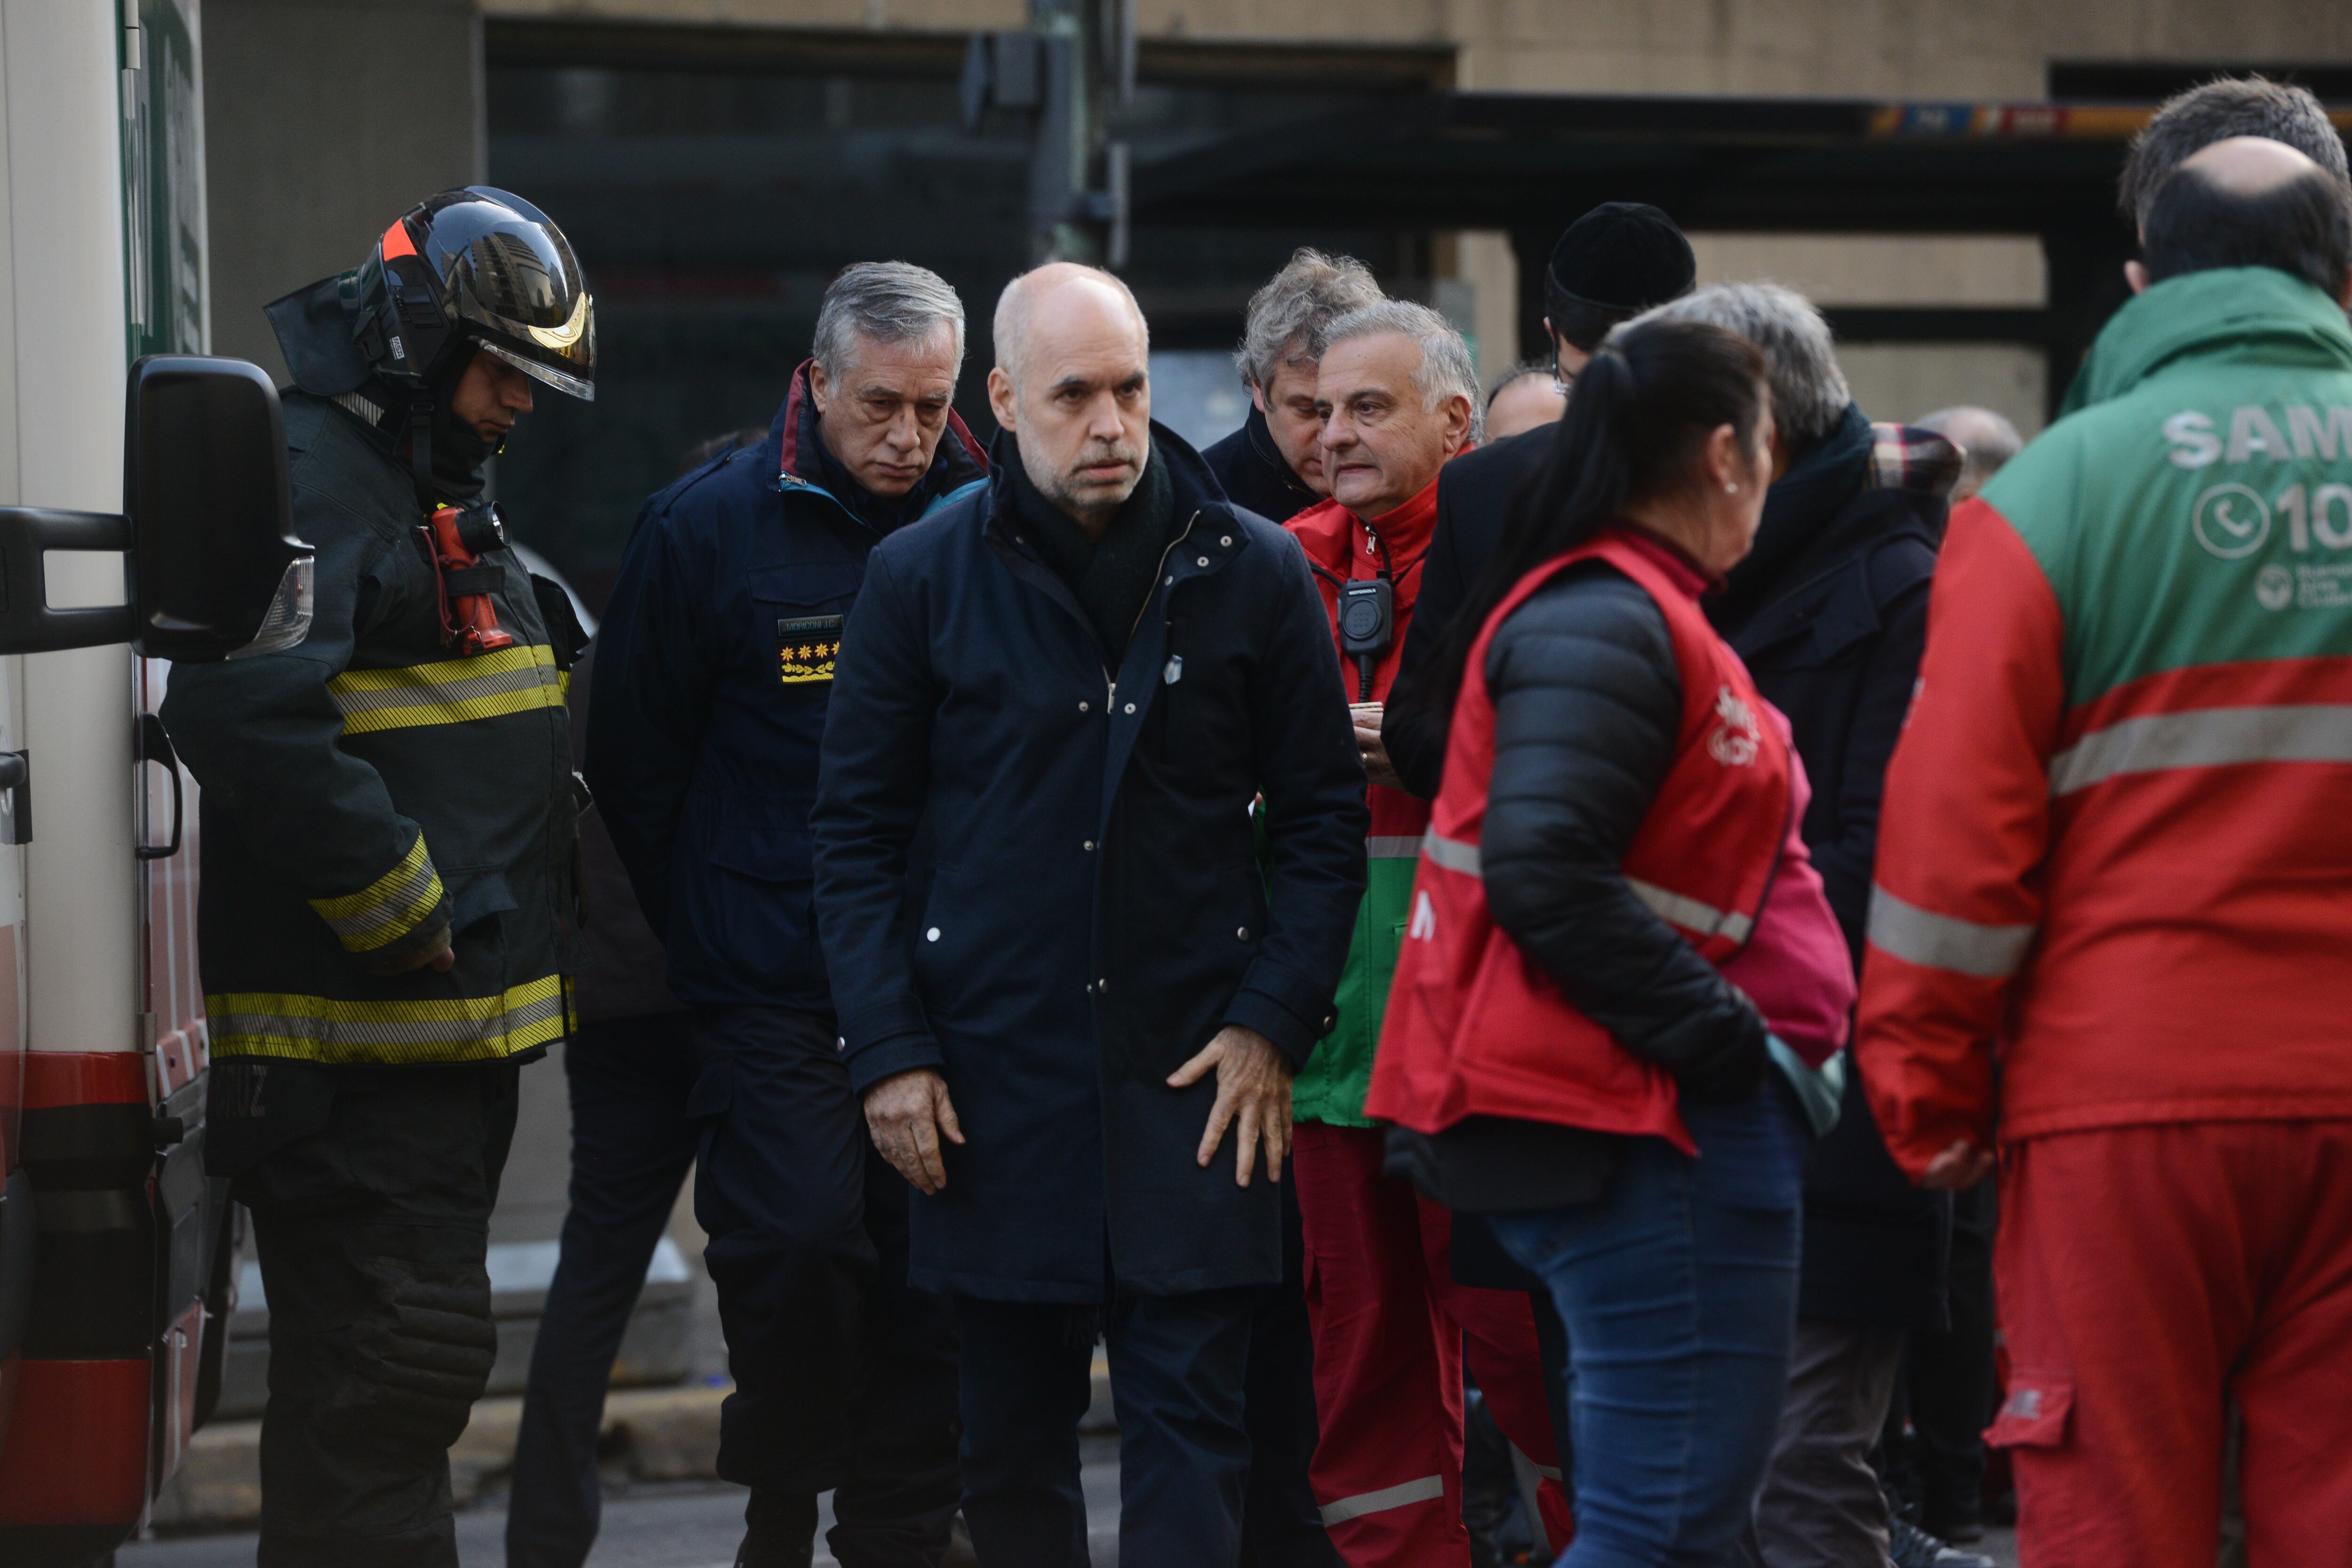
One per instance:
[(2117, 847), (1343, 548)]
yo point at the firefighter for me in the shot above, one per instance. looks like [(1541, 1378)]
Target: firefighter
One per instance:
[(388, 913)]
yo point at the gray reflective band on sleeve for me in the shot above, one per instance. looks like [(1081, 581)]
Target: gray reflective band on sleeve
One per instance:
[(1381, 846), (1689, 913), (1423, 1490), (1450, 854), (1938, 941), (2205, 738)]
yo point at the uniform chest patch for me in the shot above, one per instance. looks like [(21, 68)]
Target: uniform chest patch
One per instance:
[(806, 647)]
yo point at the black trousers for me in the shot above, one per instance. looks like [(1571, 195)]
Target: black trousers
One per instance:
[(631, 1146), (1282, 1525), (1950, 1374), (372, 1229), (1177, 1372), (844, 1374)]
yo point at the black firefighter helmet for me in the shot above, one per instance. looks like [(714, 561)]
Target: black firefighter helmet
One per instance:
[(479, 266)]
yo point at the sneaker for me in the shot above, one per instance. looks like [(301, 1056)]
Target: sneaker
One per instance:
[(1912, 1547)]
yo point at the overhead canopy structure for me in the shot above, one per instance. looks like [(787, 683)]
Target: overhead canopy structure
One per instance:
[(1529, 163)]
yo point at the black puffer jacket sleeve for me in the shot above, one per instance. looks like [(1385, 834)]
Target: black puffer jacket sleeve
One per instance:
[(1587, 704)]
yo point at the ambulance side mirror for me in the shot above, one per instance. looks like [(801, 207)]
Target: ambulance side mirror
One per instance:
[(214, 571), (210, 571)]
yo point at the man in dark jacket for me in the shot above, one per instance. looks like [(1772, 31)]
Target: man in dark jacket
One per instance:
[(1061, 976), (388, 915), (714, 671), (1829, 610), (1612, 264), (1272, 465)]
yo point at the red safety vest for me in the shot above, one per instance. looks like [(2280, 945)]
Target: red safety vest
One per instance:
[(1475, 1028)]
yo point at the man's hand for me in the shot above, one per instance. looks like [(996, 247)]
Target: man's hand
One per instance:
[(435, 952), (1370, 747), (907, 1113), (1960, 1167), (1253, 1085)]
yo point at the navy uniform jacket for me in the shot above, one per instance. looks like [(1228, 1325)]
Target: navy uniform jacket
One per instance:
[(713, 668), (1092, 909)]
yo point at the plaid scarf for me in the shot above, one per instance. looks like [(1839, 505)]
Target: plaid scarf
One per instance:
[(1906, 457)]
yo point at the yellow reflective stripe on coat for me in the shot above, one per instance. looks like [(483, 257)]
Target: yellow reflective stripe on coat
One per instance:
[(329, 1030), (388, 908), (448, 691)]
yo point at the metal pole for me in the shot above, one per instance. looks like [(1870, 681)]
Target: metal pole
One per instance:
[(1069, 133)]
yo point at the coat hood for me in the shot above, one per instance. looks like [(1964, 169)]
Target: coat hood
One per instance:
[(2202, 313)]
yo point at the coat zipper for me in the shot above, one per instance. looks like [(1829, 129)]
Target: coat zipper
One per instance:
[(1110, 676)]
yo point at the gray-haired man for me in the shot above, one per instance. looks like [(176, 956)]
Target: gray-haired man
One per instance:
[(713, 677), (1273, 464)]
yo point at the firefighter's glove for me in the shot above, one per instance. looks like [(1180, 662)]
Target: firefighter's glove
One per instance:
[(419, 948)]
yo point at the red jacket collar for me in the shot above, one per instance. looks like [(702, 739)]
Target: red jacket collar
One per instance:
[(1337, 540), (796, 400)]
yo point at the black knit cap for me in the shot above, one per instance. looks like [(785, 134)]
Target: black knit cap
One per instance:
[(1623, 257)]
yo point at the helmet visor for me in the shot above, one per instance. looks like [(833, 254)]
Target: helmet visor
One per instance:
[(539, 370)]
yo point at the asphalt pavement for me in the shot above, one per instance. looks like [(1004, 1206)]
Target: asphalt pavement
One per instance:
[(688, 1524), (698, 1524)]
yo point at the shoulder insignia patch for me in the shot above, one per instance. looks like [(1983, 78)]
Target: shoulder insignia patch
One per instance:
[(806, 647)]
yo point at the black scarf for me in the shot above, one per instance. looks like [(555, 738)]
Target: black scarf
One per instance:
[(1112, 576)]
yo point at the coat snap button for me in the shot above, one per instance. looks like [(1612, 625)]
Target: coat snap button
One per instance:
[(1202, 562), (1243, 934), (1226, 540), (1131, 707), (1103, 985), (1090, 846), (1082, 707), (932, 934)]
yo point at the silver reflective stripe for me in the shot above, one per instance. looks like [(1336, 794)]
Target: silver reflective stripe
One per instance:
[(1689, 913), (1938, 941), (2205, 738), (394, 908), (1362, 1503), (329, 1033), (1382, 847), (1451, 853), (497, 683)]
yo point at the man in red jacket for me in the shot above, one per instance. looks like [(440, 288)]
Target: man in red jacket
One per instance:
[(2117, 858), (1397, 397)]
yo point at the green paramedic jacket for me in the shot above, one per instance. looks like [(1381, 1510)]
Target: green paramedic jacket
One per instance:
[(2115, 848), (364, 790)]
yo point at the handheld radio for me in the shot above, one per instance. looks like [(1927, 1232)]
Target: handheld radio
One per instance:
[(456, 541)]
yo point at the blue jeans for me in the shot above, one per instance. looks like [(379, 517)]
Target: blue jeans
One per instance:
[(1678, 1287)]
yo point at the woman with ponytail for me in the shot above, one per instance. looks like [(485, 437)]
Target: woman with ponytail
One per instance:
[(1619, 974)]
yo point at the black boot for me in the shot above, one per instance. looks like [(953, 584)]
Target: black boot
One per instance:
[(779, 1531)]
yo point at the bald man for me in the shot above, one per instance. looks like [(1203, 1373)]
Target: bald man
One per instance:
[(1071, 1001), (2113, 861)]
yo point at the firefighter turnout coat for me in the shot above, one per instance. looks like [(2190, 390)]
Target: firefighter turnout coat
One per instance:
[(367, 788)]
